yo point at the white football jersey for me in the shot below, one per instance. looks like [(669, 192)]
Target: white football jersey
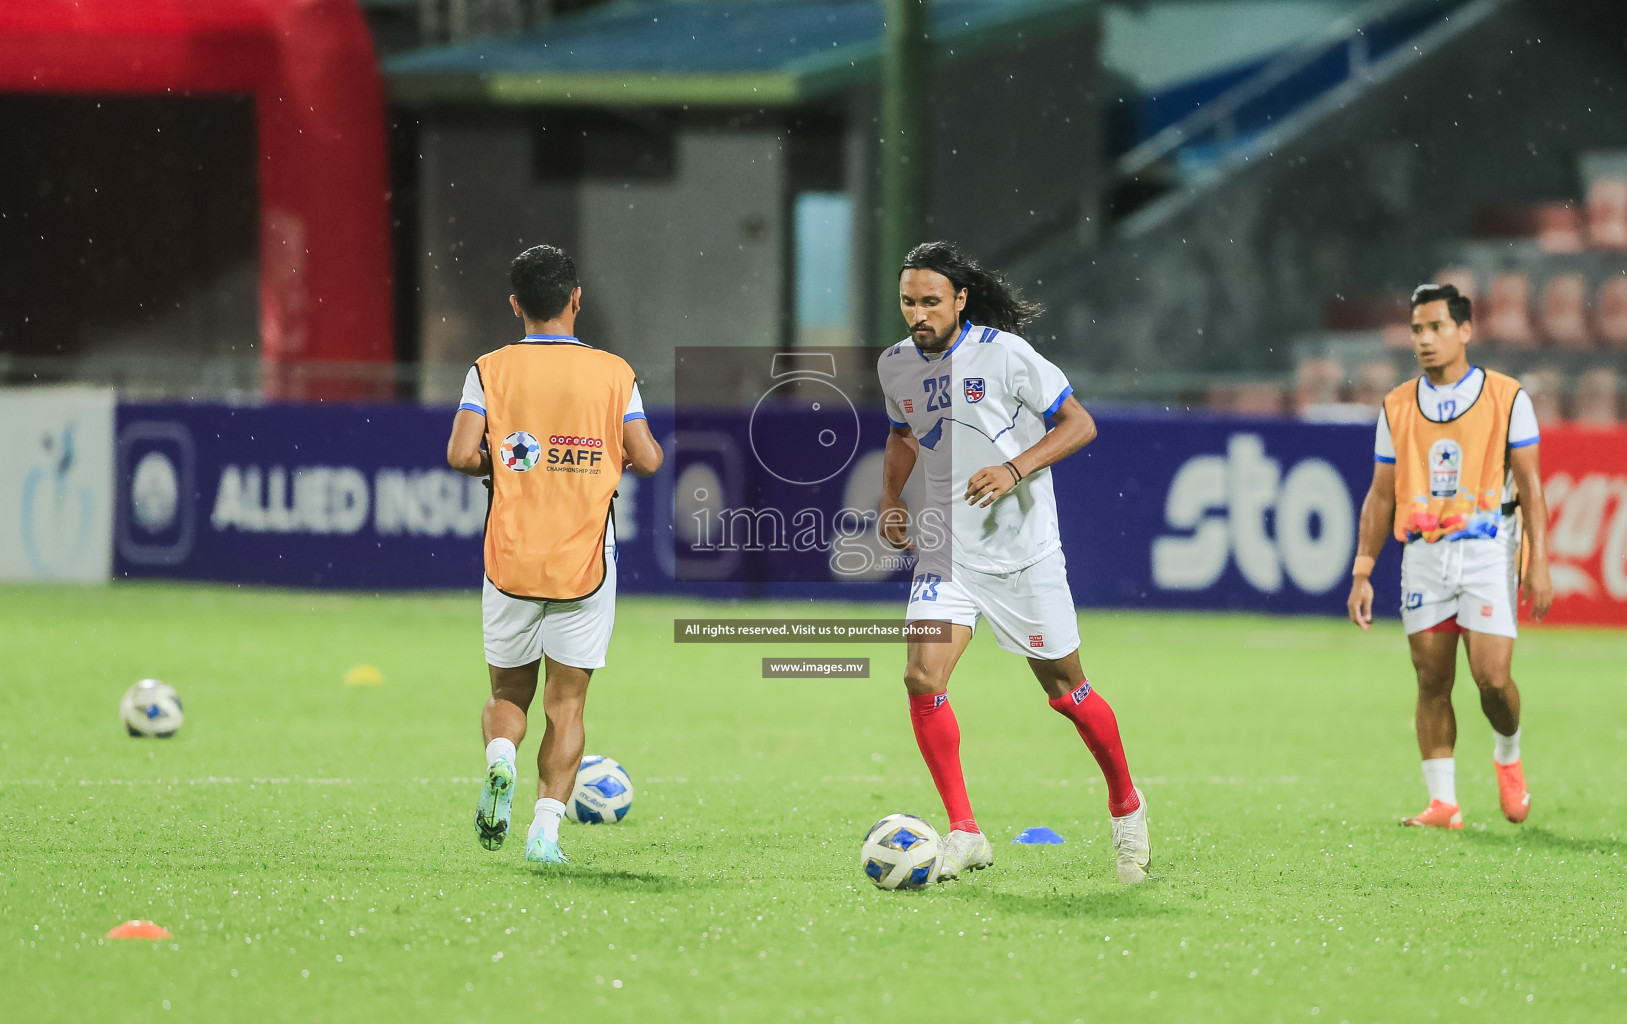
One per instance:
[(981, 403)]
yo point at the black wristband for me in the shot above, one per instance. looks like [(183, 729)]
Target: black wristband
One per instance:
[(1018, 476)]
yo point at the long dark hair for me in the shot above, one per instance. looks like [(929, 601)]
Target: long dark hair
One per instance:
[(991, 300)]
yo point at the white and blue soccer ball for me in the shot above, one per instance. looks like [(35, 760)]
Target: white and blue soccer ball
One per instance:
[(151, 708), (604, 792), (901, 852)]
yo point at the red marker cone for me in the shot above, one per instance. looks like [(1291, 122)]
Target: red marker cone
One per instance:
[(139, 930)]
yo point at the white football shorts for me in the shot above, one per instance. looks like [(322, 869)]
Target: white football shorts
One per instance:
[(1030, 610), (520, 630), (1474, 581)]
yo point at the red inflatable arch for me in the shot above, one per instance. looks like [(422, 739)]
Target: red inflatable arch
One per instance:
[(324, 218)]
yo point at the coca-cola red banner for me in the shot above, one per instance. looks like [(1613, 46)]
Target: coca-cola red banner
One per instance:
[(1584, 474)]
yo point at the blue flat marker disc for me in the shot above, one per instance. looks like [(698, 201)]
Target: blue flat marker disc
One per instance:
[(1038, 836)]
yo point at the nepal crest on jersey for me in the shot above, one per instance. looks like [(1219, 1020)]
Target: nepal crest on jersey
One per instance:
[(974, 388)]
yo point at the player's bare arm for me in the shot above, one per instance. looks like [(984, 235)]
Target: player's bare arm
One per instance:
[(896, 464), (1535, 584), (463, 450), (644, 455), (1074, 429), (1377, 519)]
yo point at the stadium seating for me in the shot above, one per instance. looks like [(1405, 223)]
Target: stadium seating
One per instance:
[(1374, 379), (1549, 283), (1597, 399), (1507, 318), (1563, 312), (1544, 384), (1318, 382), (1249, 398), (1612, 311), (1607, 214)]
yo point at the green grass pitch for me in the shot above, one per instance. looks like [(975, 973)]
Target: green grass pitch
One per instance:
[(310, 844)]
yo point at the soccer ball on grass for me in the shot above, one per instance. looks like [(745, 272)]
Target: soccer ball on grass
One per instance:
[(901, 852), (151, 708), (604, 792)]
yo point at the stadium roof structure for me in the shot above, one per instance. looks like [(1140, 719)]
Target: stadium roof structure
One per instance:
[(756, 53)]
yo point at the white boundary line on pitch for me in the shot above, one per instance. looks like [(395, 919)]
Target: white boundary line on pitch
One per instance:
[(226, 780), (462, 780)]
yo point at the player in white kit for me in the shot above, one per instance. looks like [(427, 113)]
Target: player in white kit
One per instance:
[(968, 400), (1455, 458)]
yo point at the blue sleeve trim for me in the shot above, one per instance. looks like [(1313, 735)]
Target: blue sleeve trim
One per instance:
[(1063, 397), (1528, 442), (900, 426), (472, 408), (630, 417), (1387, 460)]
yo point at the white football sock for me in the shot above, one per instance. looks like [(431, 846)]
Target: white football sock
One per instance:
[(499, 749), (1440, 775), (549, 813), (1505, 749)]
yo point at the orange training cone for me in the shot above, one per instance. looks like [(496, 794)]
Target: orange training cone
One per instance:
[(139, 930)]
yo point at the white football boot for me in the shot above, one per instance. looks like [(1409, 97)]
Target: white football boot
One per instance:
[(1131, 843), (963, 851)]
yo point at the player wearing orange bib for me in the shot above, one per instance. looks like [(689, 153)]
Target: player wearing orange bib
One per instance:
[(1454, 460), (553, 422)]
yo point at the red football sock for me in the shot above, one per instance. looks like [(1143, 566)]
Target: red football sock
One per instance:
[(1089, 713), (938, 735)]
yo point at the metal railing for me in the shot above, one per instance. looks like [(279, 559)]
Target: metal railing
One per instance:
[(240, 378), (1219, 116), (457, 21)]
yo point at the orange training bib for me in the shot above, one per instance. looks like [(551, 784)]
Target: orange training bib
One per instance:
[(553, 425), (1449, 477)]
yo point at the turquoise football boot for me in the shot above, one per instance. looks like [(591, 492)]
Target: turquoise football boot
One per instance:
[(496, 808), (539, 849)]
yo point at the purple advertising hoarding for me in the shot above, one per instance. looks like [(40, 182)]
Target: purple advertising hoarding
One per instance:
[(1158, 512)]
